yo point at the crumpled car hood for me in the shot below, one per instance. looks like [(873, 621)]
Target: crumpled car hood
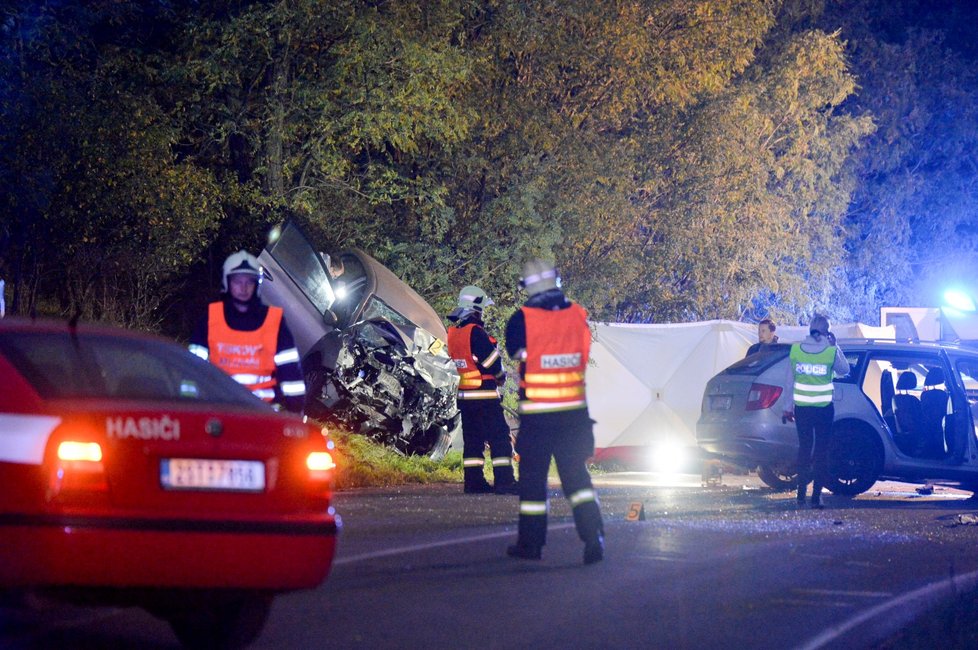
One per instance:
[(393, 383)]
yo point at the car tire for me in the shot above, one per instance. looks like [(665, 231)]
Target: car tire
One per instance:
[(225, 621), (779, 476), (855, 460)]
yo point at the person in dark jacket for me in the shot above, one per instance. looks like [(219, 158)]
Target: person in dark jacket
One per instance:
[(813, 364), (765, 336), (551, 339), (249, 340), (481, 373)]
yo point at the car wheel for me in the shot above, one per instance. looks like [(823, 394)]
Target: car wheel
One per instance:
[(779, 476), (855, 461), (225, 621)]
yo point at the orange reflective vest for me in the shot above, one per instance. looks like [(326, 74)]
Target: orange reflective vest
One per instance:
[(558, 343), (249, 357), (471, 373)]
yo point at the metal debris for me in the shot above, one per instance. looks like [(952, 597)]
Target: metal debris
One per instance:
[(394, 384)]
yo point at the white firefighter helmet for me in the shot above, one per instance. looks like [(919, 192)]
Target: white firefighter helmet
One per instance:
[(472, 297), (471, 300), (539, 276), (241, 262)]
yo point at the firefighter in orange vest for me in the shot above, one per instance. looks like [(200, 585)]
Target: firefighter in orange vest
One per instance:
[(550, 337), (481, 372), (249, 340)]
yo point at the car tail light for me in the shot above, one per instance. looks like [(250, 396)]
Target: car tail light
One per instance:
[(77, 468), (762, 396), (80, 452), (320, 464)]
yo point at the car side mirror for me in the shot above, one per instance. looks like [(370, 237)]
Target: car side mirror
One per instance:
[(330, 318)]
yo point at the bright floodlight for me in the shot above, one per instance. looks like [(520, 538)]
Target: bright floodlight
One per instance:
[(959, 300), (669, 457)]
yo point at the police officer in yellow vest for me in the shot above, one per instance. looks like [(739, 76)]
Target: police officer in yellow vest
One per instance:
[(551, 339), (813, 364), (249, 340), (481, 372)]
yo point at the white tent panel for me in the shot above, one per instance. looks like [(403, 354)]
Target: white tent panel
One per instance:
[(646, 381)]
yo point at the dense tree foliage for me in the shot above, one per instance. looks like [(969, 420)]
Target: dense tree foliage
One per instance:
[(679, 159)]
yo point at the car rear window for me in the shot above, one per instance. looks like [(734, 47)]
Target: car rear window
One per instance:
[(758, 362), (86, 365)]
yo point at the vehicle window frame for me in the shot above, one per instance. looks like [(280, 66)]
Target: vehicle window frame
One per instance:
[(856, 367), (402, 320), (289, 240), (958, 361), (958, 391), (353, 294)]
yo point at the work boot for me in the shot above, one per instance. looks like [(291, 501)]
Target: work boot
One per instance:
[(524, 551), (594, 550)]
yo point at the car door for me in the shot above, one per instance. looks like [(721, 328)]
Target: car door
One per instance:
[(297, 279), (962, 386)]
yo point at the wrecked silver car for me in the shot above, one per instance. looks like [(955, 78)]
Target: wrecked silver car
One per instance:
[(373, 351)]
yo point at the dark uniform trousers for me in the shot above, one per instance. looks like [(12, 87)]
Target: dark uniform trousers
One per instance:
[(568, 437), (814, 426), (482, 422)]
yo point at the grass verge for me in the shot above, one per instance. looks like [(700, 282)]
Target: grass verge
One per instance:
[(363, 463)]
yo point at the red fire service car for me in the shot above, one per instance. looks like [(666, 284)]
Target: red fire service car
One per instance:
[(133, 473)]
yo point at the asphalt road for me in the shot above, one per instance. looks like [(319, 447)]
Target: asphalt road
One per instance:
[(732, 566)]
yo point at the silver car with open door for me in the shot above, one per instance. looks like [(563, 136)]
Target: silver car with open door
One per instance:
[(906, 411), (373, 350)]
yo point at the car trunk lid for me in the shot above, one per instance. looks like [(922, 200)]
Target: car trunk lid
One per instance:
[(186, 461)]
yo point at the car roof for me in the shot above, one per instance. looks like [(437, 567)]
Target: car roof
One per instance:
[(891, 344)]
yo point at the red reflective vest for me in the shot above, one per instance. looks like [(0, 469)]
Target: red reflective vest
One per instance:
[(470, 372), (249, 357), (558, 343)]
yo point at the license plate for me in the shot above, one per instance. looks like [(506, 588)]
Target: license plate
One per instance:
[(720, 402), (206, 474)]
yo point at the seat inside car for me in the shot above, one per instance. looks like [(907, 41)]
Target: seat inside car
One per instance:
[(908, 414), (933, 405), (886, 399)]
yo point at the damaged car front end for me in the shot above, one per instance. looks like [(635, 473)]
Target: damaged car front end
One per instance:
[(372, 349)]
